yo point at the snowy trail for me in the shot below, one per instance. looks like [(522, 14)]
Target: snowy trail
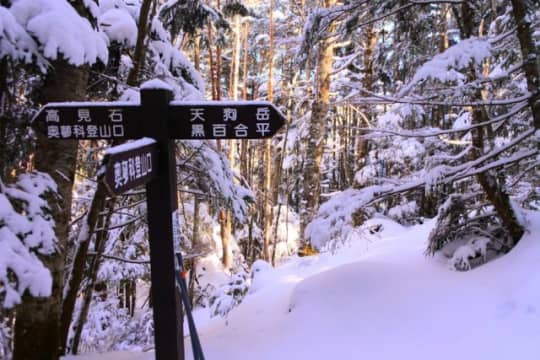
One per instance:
[(390, 303), (383, 299)]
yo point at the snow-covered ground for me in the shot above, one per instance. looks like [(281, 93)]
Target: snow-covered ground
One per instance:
[(381, 298)]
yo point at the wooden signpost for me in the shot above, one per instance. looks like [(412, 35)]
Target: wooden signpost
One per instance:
[(156, 122)]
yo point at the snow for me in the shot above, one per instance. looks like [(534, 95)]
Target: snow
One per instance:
[(119, 26), (129, 146), (445, 67), (156, 84), (381, 298), (16, 43), (23, 235), (60, 31)]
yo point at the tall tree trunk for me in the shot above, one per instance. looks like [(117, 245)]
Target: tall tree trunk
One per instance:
[(140, 49), (218, 64), (367, 83), (315, 142), (98, 201), (195, 249), (530, 56), (494, 190), (213, 81), (101, 239), (268, 147), (197, 52), (4, 99), (245, 143), (79, 262), (37, 327), (237, 50), (245, 32)]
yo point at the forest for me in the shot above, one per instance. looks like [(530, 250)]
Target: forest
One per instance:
[(413, 111)]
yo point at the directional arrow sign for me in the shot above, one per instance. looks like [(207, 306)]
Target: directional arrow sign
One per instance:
[(89, 120), (129, 165), (223, 120)]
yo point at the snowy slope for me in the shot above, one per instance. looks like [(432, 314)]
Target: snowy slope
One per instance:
[(383, 299)]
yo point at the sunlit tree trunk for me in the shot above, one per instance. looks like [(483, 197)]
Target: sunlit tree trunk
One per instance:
[(213, 82), (268, 146), (317, 125)]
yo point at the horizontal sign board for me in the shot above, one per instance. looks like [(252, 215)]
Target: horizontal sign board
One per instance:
[(187, 120), (224, 120), (89, 120)]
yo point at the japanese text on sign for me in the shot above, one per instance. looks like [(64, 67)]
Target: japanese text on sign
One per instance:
[(131, 169), (84, 126), (229, 124)]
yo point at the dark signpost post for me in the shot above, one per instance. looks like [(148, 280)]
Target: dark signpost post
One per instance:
[(150, 160)]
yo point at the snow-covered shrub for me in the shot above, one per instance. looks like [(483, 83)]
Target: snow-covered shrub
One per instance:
[(286, 241), (105, 327), (229, 295), (467, 238), (463, 256), (26, 233), (404, 213), (139, 332)]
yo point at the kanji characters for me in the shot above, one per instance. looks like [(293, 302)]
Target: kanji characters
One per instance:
[(83, 115), (229, 114), (197, 114)]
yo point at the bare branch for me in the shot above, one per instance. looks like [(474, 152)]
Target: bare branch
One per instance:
[(383, 99), (78, 218), (142, 262), (141, 217)]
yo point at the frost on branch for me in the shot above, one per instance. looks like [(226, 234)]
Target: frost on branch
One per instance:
[(26, 232)]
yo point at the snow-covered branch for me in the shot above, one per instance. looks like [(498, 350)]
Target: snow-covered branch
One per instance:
[(420, 134)]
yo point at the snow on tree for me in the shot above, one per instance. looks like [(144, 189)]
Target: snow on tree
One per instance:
[(26, 234), (16, 43), (60, 31)]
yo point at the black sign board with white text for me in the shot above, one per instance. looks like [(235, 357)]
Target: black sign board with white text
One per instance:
[(130, 165), (224, 120), (121, 120), (86, 120)]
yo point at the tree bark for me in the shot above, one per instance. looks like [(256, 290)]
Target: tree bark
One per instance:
[(4, 98), (315, 145), (101, 239), (37, 328), (267, 218), (77, 274), (494, 191), (140, 49), (529, 54)]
